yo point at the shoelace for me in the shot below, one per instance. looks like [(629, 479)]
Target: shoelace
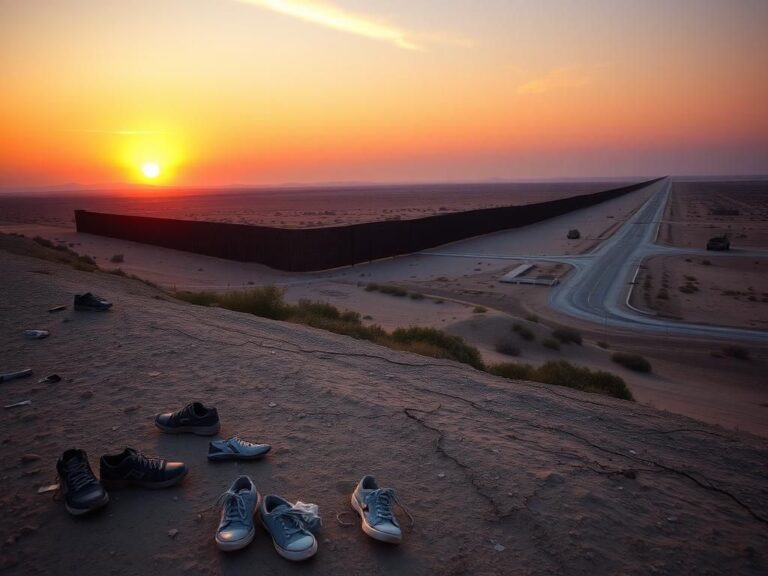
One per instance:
[(291, 520), (77, 473), (382, 499), (149, 463), (234, 506), (237, 440), (186, 411)]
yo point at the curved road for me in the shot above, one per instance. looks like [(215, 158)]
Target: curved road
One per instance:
[(598, 289)]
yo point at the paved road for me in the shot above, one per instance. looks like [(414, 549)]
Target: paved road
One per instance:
[(598, 288)]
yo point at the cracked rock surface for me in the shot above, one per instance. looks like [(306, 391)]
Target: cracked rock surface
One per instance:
[(501, 477)]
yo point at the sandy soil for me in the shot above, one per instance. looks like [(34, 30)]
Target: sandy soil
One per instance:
[(295, 207), (502, 477), (692, 215), (727, 291)]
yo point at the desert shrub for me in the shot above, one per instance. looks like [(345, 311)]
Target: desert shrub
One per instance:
[(662, 294), (371, 287), (632, 361), (706, 263), (117, 259), (532, 318), (117, 272), (602, 344), (44, 242), (479, 310), (198, 298), (551, 343), (264, 301), (504, 346), (452, 346), (688, 289), (417, 296), (562, 373), (87, 260), (512, 370), (524, 332), (738, 352), (567, 335), (393, 290)]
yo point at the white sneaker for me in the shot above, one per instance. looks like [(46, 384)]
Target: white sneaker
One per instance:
[(236, 449), (374, 505)]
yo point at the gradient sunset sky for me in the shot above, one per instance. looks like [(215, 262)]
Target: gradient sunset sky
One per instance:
[(216, 92)]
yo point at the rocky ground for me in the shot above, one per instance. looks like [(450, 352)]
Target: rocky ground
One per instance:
[(501, 477)]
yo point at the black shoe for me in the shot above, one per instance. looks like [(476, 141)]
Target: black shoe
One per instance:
[(81, 490), (132, 468), (194, 418), (90, 301)]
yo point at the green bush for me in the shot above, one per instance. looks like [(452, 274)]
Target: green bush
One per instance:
[(265, 301), (452, 346), (371, 287), (417, 296), (562, 373), (567, 335), (524, 332), (479, 310), (551, 343), (393, 290), (512, 370), (632, 361)]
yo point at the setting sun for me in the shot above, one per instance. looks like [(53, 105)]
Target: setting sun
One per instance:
[(150, 170)]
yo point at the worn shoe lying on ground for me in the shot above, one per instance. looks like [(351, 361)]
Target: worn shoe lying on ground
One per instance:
[(374, 505), (194, 418), (290, 534), (132, 468), (81, 490), (236, 528), (90, 301), (236, 449)]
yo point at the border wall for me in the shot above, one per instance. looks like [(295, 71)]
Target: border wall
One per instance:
[(312, 249)]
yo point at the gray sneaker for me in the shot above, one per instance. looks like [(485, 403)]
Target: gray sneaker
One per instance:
[(290, 534), (236, 528), (374, 505), (236, 449)]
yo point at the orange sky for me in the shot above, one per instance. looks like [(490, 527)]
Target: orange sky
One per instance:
[(218, 92)]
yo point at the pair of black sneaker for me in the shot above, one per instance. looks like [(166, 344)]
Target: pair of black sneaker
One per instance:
[(83, 492)]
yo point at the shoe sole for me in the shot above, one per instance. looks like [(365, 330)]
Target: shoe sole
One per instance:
[(118, 484), (293, 555), (370, 530), (238, 545), (224, 456), (81, 511), (197, 430)]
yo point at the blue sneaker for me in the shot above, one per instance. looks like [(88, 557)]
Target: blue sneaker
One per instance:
[(374, 505), (236, 449), (236, 528), (290, 533)]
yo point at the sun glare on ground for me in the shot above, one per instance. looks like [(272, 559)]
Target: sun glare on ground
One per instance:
[(150, 170)]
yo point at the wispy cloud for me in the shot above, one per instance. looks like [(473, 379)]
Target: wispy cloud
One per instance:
[(557, 79), (337, 18)]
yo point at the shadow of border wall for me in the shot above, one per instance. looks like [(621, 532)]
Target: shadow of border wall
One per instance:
[(304, 250)]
